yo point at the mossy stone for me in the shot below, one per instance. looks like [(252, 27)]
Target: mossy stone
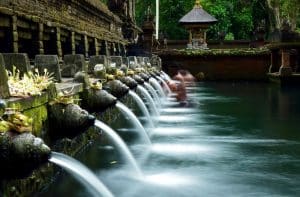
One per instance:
[(4, 89)]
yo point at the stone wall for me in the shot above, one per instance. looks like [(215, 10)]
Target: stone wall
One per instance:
[(252, 67), (58, 27), (43, 177)]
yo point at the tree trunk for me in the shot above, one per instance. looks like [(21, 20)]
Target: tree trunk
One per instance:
[(274, 14)]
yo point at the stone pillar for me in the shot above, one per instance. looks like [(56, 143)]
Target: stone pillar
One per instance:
[(4, 90), (73, 43), (293, 59), (15, 34), (58, 43), (49, 62), (19, 60), (41, 38), (285, 68), (113, 48), (106, 49), (274, 61), (119, 53), (86, 46), (96, 46), (72, 65), (124, 50)]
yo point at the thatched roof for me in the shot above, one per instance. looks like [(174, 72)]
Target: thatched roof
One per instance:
[(198, 16)]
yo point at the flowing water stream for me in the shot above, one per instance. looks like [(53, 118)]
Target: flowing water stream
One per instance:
[(157, 86), (165, 86), (81, 173), (127, 112), (142, 106), (149, 99), (153, 93), (118, 142)]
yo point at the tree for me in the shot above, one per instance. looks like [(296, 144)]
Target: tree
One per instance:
[(280, 10), (237, 18)]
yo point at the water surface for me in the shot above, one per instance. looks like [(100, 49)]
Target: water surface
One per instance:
[(235, 139)]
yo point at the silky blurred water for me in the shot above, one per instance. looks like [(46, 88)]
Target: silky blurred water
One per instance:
[(233, 139)]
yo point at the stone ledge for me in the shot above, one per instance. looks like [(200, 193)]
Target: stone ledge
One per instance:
[(23, 104)]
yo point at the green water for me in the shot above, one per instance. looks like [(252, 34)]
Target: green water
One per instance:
[(237, 139)]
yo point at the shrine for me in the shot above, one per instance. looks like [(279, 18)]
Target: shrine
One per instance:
[(197, 21)]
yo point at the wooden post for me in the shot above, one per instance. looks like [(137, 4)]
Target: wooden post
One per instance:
[(204, 36), (15, 34)]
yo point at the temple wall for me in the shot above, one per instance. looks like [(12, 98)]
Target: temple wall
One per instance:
[(58, 27)]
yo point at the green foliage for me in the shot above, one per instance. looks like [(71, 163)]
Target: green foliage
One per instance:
[(237, 18), (229, 36), (220, 10)]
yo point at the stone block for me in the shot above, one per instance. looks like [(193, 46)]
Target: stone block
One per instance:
[(4, 90), (49, 62), (156, 62), (19, 60), (73, 64), (118, 60), (97, 59), (125, 61)]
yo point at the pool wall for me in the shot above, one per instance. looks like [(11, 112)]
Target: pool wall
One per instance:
[(250, 65)]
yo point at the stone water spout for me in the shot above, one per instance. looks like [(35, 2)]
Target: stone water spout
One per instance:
[(138, 79), (116, 88), (20, 151), (129, 81), (67, 119), (94, 98), (145, 76)]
